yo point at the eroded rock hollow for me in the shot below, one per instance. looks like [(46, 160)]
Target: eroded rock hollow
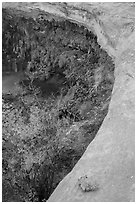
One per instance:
[(61, 58)]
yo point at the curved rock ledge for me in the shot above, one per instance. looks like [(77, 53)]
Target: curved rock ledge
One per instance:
[(106, 171), (109, 160)]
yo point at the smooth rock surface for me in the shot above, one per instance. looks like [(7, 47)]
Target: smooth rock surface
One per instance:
[(109, 159)]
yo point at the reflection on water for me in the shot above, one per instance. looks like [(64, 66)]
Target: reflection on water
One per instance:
[(11, 80)]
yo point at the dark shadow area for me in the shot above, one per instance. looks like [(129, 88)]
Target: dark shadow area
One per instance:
[(59, 103), (47, 88)]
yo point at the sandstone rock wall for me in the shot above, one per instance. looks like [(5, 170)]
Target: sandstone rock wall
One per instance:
[(106, 170)]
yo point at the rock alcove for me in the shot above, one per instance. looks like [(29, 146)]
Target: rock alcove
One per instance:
[(62, 99)]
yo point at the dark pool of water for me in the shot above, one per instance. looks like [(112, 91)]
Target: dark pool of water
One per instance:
[(11, 80)]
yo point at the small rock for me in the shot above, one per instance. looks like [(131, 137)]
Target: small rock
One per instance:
[(88, 184)]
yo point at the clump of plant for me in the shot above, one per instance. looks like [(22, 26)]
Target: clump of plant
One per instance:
[(36, 153)]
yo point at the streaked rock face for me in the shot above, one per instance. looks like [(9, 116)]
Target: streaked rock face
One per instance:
[(108, 163)]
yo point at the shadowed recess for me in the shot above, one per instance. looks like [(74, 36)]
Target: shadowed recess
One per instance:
[(57, 85)]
